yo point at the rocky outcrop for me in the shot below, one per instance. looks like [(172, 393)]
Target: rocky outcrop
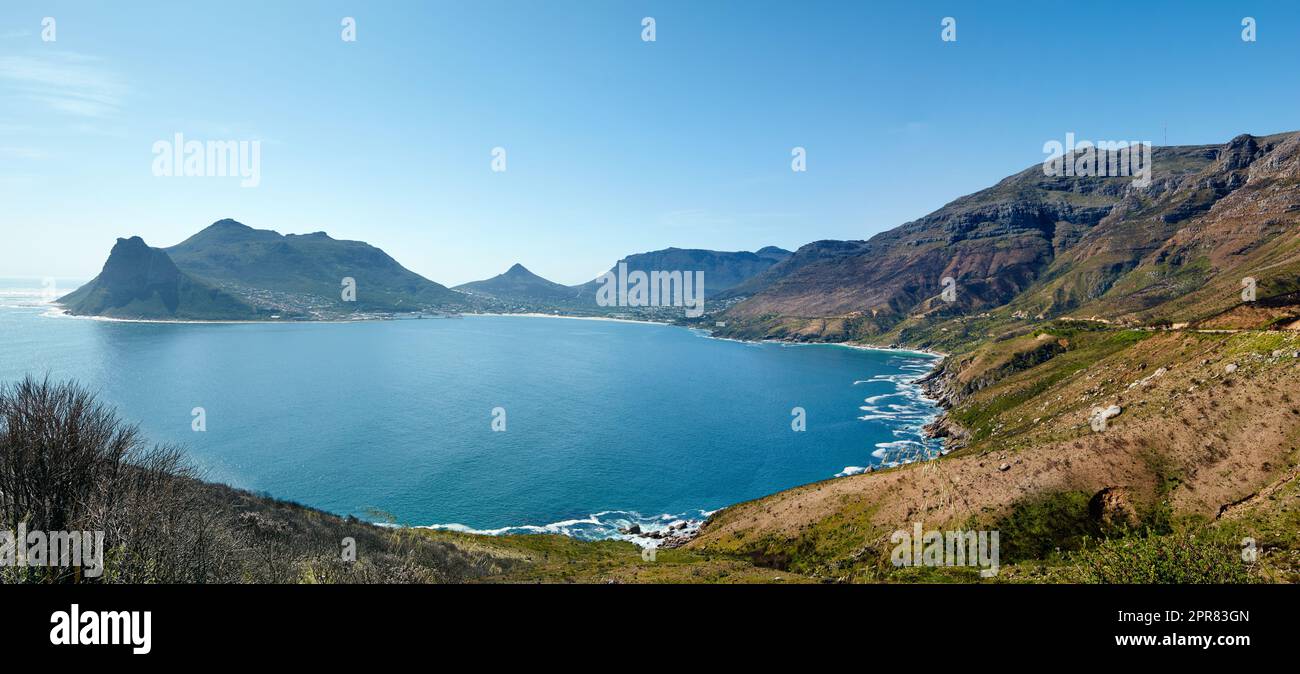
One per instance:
[(939, 385), (1112, 508), (139, 282)]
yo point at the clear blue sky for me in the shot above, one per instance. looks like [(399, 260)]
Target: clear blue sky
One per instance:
[(614, 145)]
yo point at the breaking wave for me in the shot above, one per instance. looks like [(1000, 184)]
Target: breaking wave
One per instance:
[(604, 525), (900, 402)]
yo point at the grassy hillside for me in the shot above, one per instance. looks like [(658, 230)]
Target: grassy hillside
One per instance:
[(139, 282), (1203, 454), (305, 272)]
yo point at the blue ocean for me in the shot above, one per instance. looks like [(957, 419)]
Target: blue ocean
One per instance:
[(506, 424)]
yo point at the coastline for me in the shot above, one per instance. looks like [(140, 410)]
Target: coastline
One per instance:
[(538, 314), (55, 310)]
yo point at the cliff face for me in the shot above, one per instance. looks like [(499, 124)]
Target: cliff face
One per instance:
[(139, 282), (1055, 246)]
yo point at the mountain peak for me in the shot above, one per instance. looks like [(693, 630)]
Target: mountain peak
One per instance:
[(249, 262), (1086, 244), (518, 284), (129, 243)]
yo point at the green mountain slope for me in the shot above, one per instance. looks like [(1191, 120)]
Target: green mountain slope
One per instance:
[(139, 282), (305, 271), (518, 284)]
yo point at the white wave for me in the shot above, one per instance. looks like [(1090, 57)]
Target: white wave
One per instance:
[(607, 524), (908, 409)]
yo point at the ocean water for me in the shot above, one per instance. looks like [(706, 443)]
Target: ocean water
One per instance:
[(606, 423)]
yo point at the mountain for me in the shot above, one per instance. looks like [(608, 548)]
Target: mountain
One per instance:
[(722, 270), (305, 272), (140, 282), (518, 284), (1077, 300), (1176, 249), (230, 270)]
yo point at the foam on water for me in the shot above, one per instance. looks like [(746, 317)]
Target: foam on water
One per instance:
[(904, 403), (603, 525)]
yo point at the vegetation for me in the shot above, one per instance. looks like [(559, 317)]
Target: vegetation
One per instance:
[(1193, 557), (68, 463)]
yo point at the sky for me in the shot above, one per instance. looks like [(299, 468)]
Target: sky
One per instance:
[(613, 144)]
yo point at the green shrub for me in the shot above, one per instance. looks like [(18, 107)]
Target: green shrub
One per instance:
[(1184, 558), (1039, 526)]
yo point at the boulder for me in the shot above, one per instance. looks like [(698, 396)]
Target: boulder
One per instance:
[(1112, 507)]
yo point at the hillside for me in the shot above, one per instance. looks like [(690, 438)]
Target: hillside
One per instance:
[(304, 273), (517, 284), (1203, 454), (1073, 295), (1175, 250), (139, 282), (722, 270)]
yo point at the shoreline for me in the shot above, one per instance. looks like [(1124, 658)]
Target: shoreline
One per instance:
[(537, 314), (55, 310)]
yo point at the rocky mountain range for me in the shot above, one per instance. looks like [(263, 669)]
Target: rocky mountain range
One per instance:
[(230, 271), (1177, 249), (1031, 247)]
